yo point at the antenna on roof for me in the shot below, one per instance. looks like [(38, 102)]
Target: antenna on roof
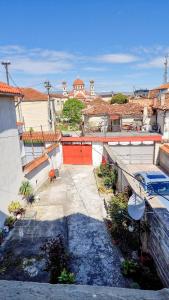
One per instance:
[(166, 69)]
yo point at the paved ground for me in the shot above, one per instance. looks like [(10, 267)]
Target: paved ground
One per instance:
[(17, 290), (70, 206)]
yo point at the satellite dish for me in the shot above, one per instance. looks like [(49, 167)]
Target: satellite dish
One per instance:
[(136, 207)]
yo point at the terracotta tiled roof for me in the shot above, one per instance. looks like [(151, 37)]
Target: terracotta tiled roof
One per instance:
[(71, 93), (163, 86), (165, 148), (41, 136), (78, 82), (165, 105), (107, 139), (33, 95), (19, 123), (9, 90), (58, 95), (128, 109), (155, 92), (39, 160), (80, 95)]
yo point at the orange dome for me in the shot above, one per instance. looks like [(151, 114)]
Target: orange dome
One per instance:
[(78, 82)]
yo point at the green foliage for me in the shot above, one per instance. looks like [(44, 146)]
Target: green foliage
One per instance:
[(66, 277), (14, 206), (105, 169), (56, 257), (129, 267), (119, 99), (72, 110), (26, 189), (10, 222), (31, 129), (107, 182), (117, 209), (109, 176)]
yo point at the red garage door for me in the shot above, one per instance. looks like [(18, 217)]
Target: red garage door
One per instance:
[(77, 154)]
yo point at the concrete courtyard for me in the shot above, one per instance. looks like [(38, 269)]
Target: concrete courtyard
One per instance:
[(71, 206)]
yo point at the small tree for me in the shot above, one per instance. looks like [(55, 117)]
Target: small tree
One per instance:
[(72, 110), (119, 99)]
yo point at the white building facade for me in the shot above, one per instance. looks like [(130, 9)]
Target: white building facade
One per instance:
[(10, 163)]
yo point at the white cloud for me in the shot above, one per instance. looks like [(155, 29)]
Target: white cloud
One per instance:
[(117, 58), (94, 69), (151, 50), (157, 62), (37, 60), (28, 65)]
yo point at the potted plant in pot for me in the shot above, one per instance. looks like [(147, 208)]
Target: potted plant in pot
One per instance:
[(26, 190), (9, 222), (16, 209)]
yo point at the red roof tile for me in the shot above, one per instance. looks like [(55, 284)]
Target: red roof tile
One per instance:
[(58, 96), (33, 95), (9, 90), (156, 138), (162, 86), (39, 160), (165, 148), (80, 95), (128, 109), (41, 136), (19, 123)]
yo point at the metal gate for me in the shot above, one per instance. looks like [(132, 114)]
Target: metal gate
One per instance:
[(77, 154)]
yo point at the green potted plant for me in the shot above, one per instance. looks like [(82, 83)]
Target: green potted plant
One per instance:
[(10, 222), (26, 190), (16, 209)]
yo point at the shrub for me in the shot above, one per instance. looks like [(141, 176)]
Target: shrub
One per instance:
[(10, 222), (105, 169), (129, 267), (26, 189), (66, 277), (117, 210), (119, 98), (114, 177), (56, 257), (14, 206), (108, 182)]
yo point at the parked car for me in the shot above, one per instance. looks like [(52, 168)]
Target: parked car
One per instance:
[(155, 184)]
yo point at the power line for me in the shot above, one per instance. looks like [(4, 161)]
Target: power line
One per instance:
[(10, 76)]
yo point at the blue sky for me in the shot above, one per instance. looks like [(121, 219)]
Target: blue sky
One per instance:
[(119, 43)]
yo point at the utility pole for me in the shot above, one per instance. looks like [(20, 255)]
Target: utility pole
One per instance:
[(166, 69), (6, 65), (48, 86)]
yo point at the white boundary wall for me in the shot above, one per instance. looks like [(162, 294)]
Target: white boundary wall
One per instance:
[(97, 152)]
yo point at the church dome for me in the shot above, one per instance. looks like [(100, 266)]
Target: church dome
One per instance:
[(78, 82)]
